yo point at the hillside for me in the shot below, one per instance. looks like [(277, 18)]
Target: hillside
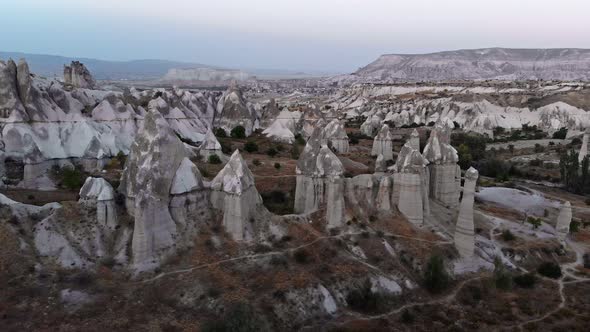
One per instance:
[(487, 63)]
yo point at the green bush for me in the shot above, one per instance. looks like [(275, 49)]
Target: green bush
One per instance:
[(277, 165), (436, 278), (226, 147), (502, 278), (295, 152), (299, 139), (574, 226), (70, 177), (550, 270), (239, 318), (539, 148), (508, 236), (214, 159), (122, 158), (560, 134), (272, 152), (256, 162), (238, 132), (536, 222), (301, 256), (364, 299), (220, 132), (251, 146), (527, 280)]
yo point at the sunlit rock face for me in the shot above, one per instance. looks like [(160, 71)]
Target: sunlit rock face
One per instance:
[(372, 124), (233, 111), (445, 174), (564, 220), (382, 145), (77, 75), (410, 178), (233, 192), (155, 157), (464, 230), (336, 136)]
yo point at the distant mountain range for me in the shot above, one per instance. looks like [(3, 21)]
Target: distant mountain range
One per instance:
[(477, 64), (52, 66)]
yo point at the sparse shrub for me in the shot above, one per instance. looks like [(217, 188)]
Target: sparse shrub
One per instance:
[(364, 299), (560, 134), (238, 132), (70, 177), (256, 162), (299, 139), (214, 159), (301, 256), (277, 165), (502, 278), (574, 226), (527, 280), (550, 270), (251, 146), (279, 260), (536, 222), (280, 147), (295, 152), (226, 147), (239, 318), (436, 278), (354, 140), (272, 152), (407, 317), (220, 132), (539, 148), (30, 197), (536, 162), (508, 236)]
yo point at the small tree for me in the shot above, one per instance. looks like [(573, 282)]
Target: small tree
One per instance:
[(550, 270), (536, 222), (526, 280), (220, 132), (214, 159), (238, 132), (277, 166), (436, 278), (272, 152), (502, 278), (560, 134), (251, 146)]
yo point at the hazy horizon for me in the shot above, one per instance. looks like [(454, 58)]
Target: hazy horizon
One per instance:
[(305, 35)]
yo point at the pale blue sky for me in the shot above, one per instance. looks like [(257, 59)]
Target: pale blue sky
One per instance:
[(332, 35)]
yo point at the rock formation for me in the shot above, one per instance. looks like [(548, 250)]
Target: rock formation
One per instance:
[(234, 193), (464, 230), (382, 145), (270, 112), (445, 174), (99, 192), (233, 111), (155, 157), (415, 140), (319, 180), (584, 149), (77, 75), (564, 220), (210, 146), (311, 118), (410, 179), (336, 136), (371, 125)]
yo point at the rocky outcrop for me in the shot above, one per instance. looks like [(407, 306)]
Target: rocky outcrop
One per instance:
[(371, 124), (233, 111), (584, 149), (415, 140), (150, 170), (77, 75), (336, 136), (564, 220), (383, 144), (310, 119), (210, 146), (233, 192), (410, 179), (97, 191), (320, 181), (270, 112), (464, 230), (445, 174)]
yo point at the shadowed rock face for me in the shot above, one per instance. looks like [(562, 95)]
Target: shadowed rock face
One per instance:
[(411, 185), (147, 180), (464, 230), (77, 75), (336, 136), (584, 149)]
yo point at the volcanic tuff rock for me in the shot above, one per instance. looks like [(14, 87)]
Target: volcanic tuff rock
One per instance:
[(464, 230), (382, 145), (233, 111), (584, 148), (445, 174), (205, 74), (487, 63), (156, 155), (564, 220), (336, 136), (77, 75), (234, 193)]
